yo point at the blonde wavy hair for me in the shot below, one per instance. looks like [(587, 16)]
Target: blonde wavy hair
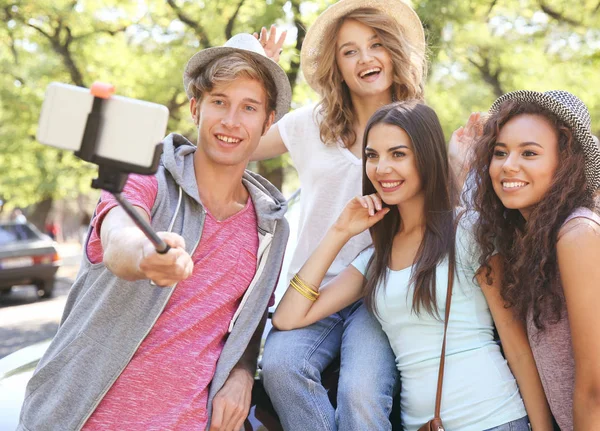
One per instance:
[(409, 73)]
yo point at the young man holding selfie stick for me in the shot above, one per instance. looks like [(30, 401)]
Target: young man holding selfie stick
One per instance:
[(152, 341)]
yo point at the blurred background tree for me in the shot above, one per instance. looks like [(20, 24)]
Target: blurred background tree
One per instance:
[(479, 49)]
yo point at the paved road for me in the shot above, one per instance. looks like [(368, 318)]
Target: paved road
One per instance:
[(25, 319)]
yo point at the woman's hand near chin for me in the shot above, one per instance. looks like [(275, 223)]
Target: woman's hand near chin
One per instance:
[(272, 45), (360, 214), (297, 310)]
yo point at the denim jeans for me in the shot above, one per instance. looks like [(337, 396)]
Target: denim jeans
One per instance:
[(294, 360), (516, 425)]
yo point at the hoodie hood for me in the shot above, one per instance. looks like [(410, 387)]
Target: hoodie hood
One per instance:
[(178, 160)]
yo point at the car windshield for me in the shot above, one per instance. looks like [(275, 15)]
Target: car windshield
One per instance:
[(11, 233)]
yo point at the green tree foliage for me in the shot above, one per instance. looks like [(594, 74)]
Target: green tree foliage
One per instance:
[(478, 50), (482, 49)]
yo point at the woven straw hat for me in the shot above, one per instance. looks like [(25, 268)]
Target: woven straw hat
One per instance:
[(574, 114), (242, 42), (314, 41)]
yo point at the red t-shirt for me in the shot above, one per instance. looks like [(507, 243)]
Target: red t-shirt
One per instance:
[(164, 387)]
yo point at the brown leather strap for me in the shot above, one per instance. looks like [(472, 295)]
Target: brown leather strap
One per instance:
[(438, 397)]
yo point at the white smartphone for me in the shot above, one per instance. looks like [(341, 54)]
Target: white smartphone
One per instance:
[(130, 129)]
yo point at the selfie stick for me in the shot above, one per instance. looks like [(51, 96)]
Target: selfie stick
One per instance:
[(112, 174)]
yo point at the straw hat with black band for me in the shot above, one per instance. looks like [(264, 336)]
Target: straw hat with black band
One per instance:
[(314, 41), (246, 43), (573, 112)]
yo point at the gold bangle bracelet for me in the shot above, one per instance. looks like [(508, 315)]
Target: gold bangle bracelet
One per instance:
[(306, 286), (300, 288), (306, 295)]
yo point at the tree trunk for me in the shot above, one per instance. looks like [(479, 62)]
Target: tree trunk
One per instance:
[(40, 213), (274, 175)]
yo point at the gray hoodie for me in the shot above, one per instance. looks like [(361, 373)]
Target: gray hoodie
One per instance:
[(106, 318)]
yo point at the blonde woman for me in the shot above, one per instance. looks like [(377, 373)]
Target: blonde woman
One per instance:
[(358, 59)]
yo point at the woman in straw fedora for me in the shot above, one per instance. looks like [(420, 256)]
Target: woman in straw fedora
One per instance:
[(536, 175), (358, 56)]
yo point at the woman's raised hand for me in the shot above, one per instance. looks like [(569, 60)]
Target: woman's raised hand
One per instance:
[(270, 43), (360, 214), (462, 142)]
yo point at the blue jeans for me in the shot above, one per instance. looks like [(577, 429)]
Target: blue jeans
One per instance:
[(516, 425), (294, 360)]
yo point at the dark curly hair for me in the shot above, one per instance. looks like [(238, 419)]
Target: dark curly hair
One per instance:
[(531, 281)]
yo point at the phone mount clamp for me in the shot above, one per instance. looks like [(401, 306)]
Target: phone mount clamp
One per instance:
[(112, 174)]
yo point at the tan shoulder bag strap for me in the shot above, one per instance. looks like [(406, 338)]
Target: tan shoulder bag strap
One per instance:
[(438, 397)]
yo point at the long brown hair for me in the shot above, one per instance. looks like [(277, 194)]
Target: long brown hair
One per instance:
[(422, 125), (409, 71), (531, 282)]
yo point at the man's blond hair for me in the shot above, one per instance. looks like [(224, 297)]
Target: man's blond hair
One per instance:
[(226, 69)]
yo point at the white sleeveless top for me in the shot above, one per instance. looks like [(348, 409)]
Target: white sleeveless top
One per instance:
[(330, 175)]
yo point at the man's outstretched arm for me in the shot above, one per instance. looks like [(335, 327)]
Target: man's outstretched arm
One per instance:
[(131, 256), (232, 403)]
